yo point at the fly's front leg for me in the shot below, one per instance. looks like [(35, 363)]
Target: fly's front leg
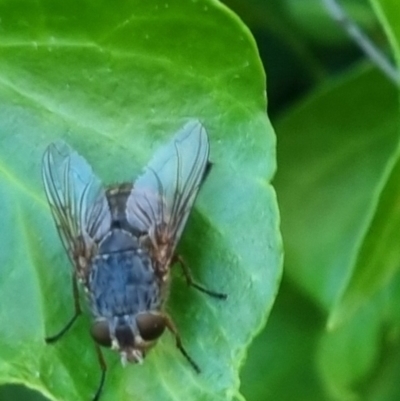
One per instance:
[(78, 311), (103, 367), (172, 328), (190, 281)]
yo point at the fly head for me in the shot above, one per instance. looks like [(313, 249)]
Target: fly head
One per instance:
[(131, 337)]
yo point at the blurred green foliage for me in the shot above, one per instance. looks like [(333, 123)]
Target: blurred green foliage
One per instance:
[(14, 392), (334, 332)]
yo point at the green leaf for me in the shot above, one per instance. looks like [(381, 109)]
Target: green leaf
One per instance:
[(336, 150), (315, 21), (17, 392), (348, 354), (359, 359), (116, 80), (285, 351), (377, 260)]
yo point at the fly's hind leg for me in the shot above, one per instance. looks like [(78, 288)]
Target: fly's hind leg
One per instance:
[(78, 311), (103, 368), (190, 281)]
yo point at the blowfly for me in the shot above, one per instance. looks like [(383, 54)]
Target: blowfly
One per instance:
[(121, 240)]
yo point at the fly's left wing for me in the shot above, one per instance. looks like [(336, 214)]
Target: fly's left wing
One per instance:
[(77, 201), (163, 196)]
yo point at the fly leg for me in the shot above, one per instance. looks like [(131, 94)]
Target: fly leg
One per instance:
[(190, 281), (172, 328), (78, 311), (103, 367)]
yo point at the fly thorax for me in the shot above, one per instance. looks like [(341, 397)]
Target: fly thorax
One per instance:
[(122, 279)]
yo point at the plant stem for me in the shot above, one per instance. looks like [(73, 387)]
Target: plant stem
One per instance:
[(362, 40)]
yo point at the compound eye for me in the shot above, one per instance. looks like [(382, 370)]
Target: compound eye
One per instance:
[(150, 326), (101, 333)]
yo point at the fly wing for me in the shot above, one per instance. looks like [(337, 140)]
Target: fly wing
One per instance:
[(162, 197), (77, 201)]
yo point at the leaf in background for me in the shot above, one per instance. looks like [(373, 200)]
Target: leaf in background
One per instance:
[(335, 151), (315, 22), (379, 256), (285, 352), (13, 392), (115, 80), (387, 12), (359, 359), (349, 354)]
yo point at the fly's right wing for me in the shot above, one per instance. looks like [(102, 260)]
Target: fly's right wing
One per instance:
[(163, 196), (77, 201)]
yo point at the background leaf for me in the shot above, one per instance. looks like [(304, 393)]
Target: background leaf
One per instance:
[(377, 261), (336, 184), (286, 349), (115, 81), (334, 153)]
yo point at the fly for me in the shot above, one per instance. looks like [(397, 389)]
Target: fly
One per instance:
[(122, 240)]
